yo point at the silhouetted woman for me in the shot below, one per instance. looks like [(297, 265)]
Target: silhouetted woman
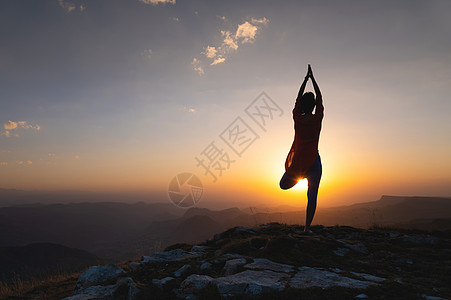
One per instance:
[(303, 160)]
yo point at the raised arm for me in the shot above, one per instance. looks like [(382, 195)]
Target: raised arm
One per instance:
[(319, 97), (301, 90)]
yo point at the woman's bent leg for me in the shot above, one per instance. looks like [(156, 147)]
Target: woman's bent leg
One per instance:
[(288, 181)]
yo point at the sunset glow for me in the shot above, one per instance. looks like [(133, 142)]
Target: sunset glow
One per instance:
[(121, 96)]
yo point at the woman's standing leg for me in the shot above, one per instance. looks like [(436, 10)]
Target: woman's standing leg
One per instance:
[(313, 177)]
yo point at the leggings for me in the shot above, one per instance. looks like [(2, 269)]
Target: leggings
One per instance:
[(313, 177)]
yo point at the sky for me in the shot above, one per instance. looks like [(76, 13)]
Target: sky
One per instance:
[(123, 96)]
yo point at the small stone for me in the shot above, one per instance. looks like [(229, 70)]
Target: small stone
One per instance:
[(205, 266), (341, 251), (393, 234), (182, 270), (368, 277), (399, 280), (161, 282)]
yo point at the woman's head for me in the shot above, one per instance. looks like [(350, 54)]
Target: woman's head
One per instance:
[(307, 103)]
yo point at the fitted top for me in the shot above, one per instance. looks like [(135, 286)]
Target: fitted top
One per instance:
[(304, 149)]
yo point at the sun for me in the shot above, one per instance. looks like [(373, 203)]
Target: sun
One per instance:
[(302, 184)]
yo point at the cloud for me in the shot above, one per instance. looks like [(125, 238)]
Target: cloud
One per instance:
[(156, 2), (147, 54), (3, 163), (218, 60), (210, 52), (222, 18), (77, 157), (70, 7), (29, 162), (245, 33), (260, 21), (12, 126), (228, 43), (175, 19), (197, 66), (6, 133), (19, 162)]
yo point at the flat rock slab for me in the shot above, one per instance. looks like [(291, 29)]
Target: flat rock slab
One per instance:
[(247, 283), (369, 277), (250, 283), (316, 277), (266, 264)]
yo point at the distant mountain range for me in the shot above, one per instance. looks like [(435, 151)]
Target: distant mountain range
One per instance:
[(121, 231)]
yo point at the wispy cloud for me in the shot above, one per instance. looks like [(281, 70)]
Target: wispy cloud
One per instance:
[(24, 163), (155, 2), (70, 7), (218, 60), (259, 21), (197, 66), (11, 126), (3, 163), (218, 54), (147, 54)]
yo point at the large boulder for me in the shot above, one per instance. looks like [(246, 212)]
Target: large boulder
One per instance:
[(194, 283), (231, 266), (97, 275)]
